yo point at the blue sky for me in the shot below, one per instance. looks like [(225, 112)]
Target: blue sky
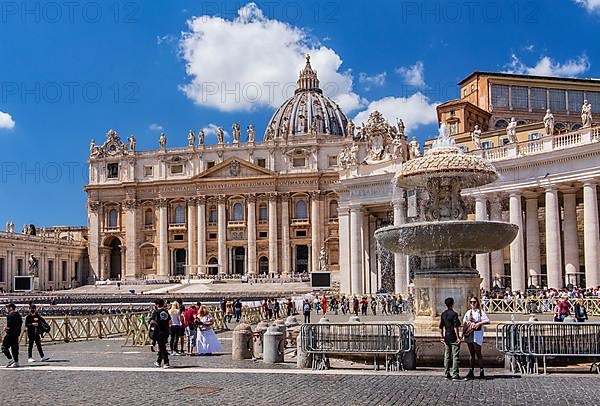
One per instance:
[(69, 72)]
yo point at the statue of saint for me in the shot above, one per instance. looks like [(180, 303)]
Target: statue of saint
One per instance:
[(400, 125), (350, 129), (353, 156), (201, 136), (236, 132), (92, 146), (33, 265), (270, 133), (283, 130), (162, 141), (251, 134), (549, 122), (415, 148), (586, 114), (476, 137), (132, 142), (220, 135), (323, 259), (191, 138), (511, 131)]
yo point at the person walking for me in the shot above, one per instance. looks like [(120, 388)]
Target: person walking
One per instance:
[(473, 322), (228, 311), (33, 322), (580, 312), (237, 308), (175, 326), (276, 308), (306, 311), (374, 306), (561, 311), (163, 326), (12, 330), (450, 336)]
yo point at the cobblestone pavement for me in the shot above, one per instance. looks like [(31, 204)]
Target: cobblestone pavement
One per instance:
[(105, 372)]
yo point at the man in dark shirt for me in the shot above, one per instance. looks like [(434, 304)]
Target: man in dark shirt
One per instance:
[(449, 335), (10, 343), (34, 332), (163, 324)]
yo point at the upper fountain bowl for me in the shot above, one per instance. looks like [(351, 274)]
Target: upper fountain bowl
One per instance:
[(446, 162)]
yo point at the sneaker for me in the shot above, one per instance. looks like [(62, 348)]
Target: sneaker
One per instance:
[(447, 377), (458, 379), (10, 362), (30, 360), (152, 348), (156, 364), (166, 366), (45, 358), (481, 374), (13, 365), (470, 375)]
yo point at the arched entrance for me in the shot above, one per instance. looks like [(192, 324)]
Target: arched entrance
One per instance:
[(213, 266), (114, 258), (263, 266), (301, 259), (179, 259), (239, 259)]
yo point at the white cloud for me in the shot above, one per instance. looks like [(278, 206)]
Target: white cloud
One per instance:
[(368, 82), (211, 131), (546, 66), (590, 5), (156, 127), (414, 74), (6, 121), (253, 61), (415, 111)]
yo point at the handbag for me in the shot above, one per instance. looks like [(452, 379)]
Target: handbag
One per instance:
[(467, 332)]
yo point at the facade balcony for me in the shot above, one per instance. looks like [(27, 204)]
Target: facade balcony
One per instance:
[(264, 221), (177, 226), (148, 227), (212, 224), (300, 222), (333, 220), (236, 223), (112, 229)]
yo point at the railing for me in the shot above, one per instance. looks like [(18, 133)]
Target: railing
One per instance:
[(177, 225), (534, 305), (299, 221), (38, 238)]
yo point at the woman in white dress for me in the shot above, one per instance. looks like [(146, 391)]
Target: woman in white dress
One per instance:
[(207, 341), (473, 322)]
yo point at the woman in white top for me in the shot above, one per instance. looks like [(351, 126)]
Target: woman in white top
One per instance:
[(473, 322), (175, 326), (207, 341)]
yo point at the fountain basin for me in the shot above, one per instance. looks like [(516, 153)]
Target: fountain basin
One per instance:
[(464, 236)]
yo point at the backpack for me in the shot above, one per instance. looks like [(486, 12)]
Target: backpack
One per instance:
[(43, 327), (153, 330), (306, 308)]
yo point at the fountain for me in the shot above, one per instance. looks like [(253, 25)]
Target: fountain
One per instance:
[(443, 237)]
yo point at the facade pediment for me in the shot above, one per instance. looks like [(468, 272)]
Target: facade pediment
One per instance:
[(235, 168)]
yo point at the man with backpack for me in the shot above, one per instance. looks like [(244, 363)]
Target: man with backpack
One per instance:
[(12, 330), (161, 333), (36, 327), (306, 311)]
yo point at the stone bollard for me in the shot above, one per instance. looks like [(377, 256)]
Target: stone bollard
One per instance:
[(532, 318), (280, 324), (303, 360), (241, 344), (274, 345), (570, 319), (291, 321), (354, 319), (259, 333), (324, 320)]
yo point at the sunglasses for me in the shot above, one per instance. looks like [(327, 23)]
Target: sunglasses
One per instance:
[(473, 301)]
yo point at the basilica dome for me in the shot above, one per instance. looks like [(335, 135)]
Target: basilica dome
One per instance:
[(307, 112)]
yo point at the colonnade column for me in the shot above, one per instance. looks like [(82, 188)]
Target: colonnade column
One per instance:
[(590, 233), (191, 256), (497, 257), (201, 208), (356, 249), (94, 215), (517, 255), (222, 234), (131, 246), (285, 233), (273, 233), (344, 232), (251, 227), (400, 271), (163, 239), (532, 230), (570, 238), (314, 230), (482, 260), (553, 254)]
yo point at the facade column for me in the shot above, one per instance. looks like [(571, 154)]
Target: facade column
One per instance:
[(532, 230), (570, 238), (273, 267), (344, 227), (131, 245), (285, 233), (356, 250), (201, 209), (517, 260), (222, 235), (314, 230), (590, 233), (482, 260), (94, 216), (163, 239), (553, 253), (191, 255), (400, 271), (497, 257), (372, 250), (251, 227)]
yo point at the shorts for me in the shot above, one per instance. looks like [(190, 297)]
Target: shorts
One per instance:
[(191, 335)]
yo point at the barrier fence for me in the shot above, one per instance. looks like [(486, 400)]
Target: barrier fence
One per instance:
[(534, 305), (527, 343)]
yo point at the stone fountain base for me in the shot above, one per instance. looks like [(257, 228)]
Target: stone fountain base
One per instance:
[(432, 289)]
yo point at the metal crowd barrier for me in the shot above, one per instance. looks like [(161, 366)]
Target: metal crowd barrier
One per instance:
[(390, 339), (527, 343), (535, 305)]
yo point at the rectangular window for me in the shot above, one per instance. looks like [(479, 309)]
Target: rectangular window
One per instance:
[(300, 233), (262, 213), (262, 162), (499, 97), (112, 171), (519, 96), (539, 98), (2, 270), (64, 271), (148, 171), (262, 234), (464, 148), (505, 141), (594, 99), (575, 100), (332, 160), (212, 236), (487, 144), (212, 216), (178, 237), (76, 271), (558, 100), (176, 169), (299, 162), (210, 164), (534, 136), (453, 128), (20, 266), (148, 261), (50, 270)]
